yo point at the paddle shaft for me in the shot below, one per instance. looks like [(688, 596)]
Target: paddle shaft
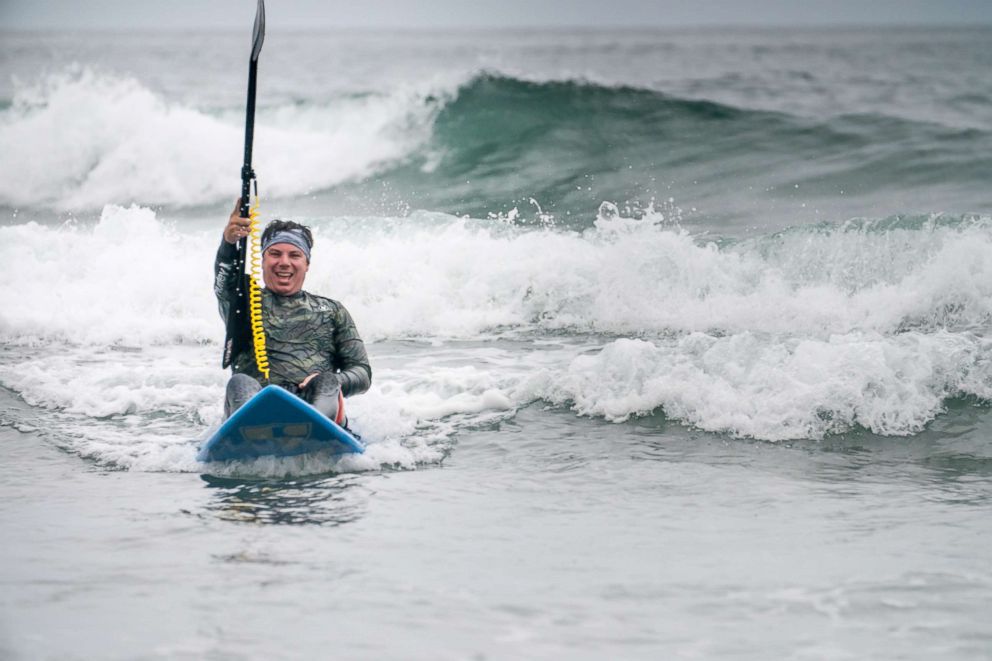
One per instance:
[(238, 332), (247, 174)]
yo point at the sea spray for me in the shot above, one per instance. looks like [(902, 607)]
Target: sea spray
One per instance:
[(136, 280), (799, 334)]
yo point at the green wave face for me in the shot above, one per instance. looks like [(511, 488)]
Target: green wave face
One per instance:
[(564, 147)]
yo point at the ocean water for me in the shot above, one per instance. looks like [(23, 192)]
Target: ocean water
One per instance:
[(680, 342)]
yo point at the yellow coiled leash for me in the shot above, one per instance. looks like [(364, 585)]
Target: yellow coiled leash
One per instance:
[(255, 293)]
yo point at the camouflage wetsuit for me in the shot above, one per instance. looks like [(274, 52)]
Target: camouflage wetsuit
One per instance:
[(304, 334)]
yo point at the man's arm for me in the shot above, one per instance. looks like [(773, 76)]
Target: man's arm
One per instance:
[(351, 359)]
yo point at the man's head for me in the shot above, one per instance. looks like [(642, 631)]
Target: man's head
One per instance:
[(285, 256)]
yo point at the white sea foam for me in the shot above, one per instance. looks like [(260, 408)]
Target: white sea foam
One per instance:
[(460, 278), (78, 140), (876, 325), (129, 281), (778, 389)]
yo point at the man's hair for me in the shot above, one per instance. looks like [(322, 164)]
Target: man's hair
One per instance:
[(281, 225)]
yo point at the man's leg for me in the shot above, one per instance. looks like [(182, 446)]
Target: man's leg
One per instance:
[(240, 389), (324, 393)]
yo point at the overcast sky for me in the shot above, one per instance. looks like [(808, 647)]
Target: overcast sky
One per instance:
[(447, 14)]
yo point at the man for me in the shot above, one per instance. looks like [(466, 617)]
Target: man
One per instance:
[(313, 347)]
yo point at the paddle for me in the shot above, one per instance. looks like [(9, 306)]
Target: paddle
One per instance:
[(238, 329)]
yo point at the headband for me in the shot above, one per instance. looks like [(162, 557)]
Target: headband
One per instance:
[(291, 236)]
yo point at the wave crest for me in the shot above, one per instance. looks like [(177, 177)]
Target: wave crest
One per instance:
[(80, 140)]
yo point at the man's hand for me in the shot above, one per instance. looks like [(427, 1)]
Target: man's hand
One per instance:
[(303, 384), (237, 227)]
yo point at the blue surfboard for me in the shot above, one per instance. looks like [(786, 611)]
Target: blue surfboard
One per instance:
[(276, 423)]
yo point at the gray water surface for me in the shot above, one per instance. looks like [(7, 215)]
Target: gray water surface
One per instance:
[(543, 537)]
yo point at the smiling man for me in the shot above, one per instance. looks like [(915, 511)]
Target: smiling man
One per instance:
[(313, 347)]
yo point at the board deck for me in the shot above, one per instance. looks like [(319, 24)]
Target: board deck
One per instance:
[(276, 423)]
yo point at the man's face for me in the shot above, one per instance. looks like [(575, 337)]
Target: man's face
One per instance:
[(284, 266)]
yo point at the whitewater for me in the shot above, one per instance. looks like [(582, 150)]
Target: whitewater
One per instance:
[(680, 345)]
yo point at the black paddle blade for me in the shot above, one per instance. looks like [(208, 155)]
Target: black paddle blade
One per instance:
[(239, 337), (258, 36)]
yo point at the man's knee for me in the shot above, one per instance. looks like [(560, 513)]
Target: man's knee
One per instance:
[(240, 388), (324, 393)]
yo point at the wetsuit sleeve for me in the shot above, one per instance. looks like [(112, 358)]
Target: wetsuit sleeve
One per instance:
[(350, 358), (225, 277)]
